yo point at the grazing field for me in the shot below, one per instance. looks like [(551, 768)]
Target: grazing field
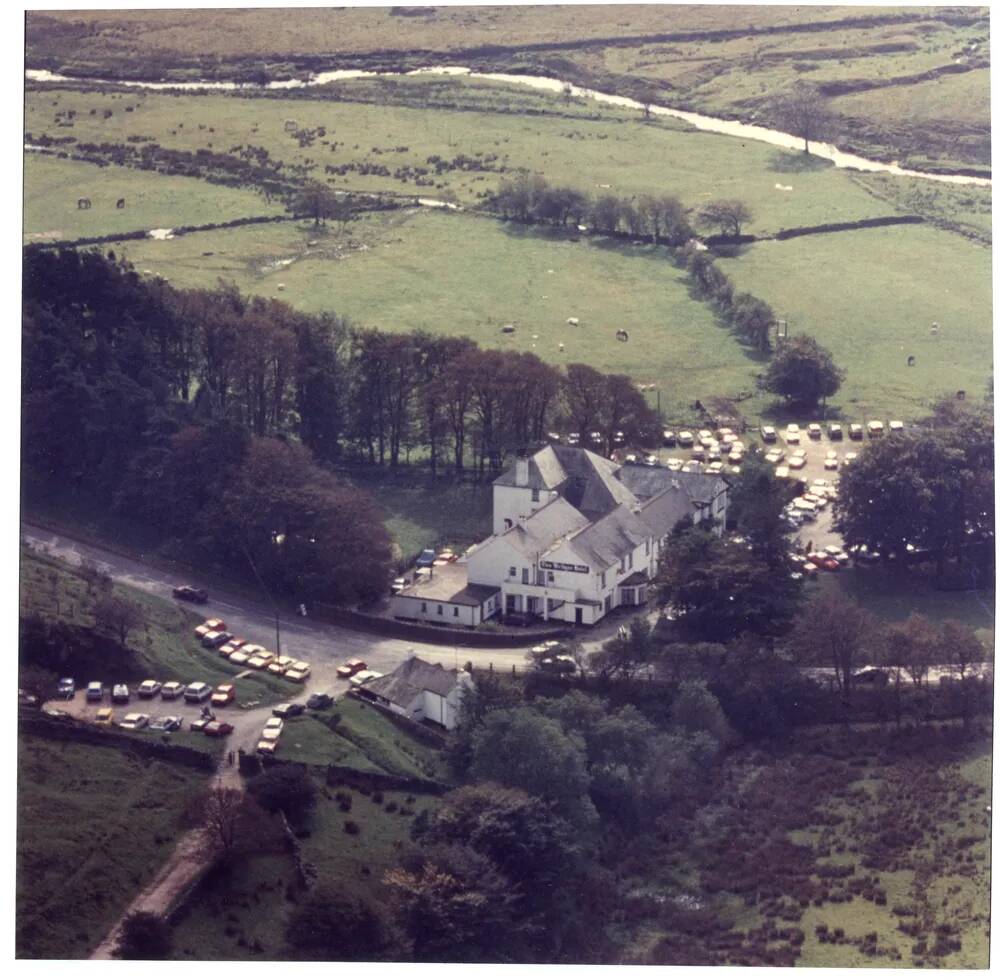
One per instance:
[(164, 648), (381, 147), (852, 848), (871, 297), (94, 824), (53, 187)]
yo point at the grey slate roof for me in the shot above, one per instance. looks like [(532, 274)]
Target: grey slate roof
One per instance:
[(606, 540), (548, 524), (647, 481), (410, 679)]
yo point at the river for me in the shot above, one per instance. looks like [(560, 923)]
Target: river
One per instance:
[(708, 124)]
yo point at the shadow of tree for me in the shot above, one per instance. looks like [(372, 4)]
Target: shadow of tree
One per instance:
[(784, 162)]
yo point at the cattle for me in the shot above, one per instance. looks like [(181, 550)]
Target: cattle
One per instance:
[(621, 335), (83, 204), (121, 203)]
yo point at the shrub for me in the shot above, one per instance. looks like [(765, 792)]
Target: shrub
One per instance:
[(144, 937), (350, 827)]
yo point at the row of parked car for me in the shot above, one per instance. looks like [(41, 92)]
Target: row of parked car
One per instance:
[(196, 692), (834, 430), (213, 636)]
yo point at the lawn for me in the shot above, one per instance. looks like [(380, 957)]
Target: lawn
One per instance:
[(165, 648), (363, 739), (617, 151), (94, 824), (870, 298), (459, 274), (443, 515), (52, 188)]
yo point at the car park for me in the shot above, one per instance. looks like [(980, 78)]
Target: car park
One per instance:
[(149, 689), (855, 431), (209, 626), (875, 429), (171, 690), (835, 431), (292, 710), (815, 430), (197, 692), (67, 687), (218, 729), (120, 694), (768, 433), (190, 594), (231, 646), (362, 677), (351, 667), (319, 701), (134, 721), (223, 694)]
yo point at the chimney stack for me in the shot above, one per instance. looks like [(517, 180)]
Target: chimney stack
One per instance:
[(521, 471)]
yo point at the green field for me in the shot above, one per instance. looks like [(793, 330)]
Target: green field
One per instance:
[(870, 297), (165, 648), (618, 151), (52, 188), (94, 824)]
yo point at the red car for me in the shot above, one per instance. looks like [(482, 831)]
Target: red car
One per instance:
[(825, 562), (218, 728), (352, 667)]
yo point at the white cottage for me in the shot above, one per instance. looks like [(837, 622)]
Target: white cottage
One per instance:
[(422, 691)]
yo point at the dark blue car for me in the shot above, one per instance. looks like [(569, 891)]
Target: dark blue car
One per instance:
[(426, 559)]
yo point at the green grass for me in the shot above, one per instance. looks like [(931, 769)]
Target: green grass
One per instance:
[(870, 298), (459, 274), (434, 515), (93, 826), (165, 648), (364, 739), (52, 188), (619, 149)]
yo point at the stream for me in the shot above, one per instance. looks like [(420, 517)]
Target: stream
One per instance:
[(708, 124)]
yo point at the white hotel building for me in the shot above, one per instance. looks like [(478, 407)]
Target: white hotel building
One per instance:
[(575, 535)]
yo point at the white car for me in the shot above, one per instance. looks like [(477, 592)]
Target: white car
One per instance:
[(814, 430), (272, 730), (896, 426), (831, 463), (134, 721), (792, 433), (363, 676), (781, 472), (875, 428), (797, 463), (674, 463), (267, 747)]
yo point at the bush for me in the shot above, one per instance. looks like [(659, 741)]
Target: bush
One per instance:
[(350, 827), (144, 937), (287, 788)]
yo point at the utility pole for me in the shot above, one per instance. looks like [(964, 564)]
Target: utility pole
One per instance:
[(270, 598)]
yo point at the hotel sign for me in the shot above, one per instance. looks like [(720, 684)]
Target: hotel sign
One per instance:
[(559, 566)]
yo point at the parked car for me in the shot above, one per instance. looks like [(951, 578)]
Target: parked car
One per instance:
[(426, 558), (197, 692), (216, 639), (198, 724), (685, 439), (855, 431), (190, 594), (896, 426), (398, 584), (815, 430), (319, 701), (149, 689), (849, 458), (168, 723), (573, 438), (674, 464), (618, 438), (67, 687), (134, 721), (280, 665), (782, 472), (560, 664), (362, 677), (245, 652), (875, 429), (95, 691), (209, 626), (351, 667), (171, 690), (835, 431), (831, 463), (768, 433), (104, 716), (797, 463), (265, 747), (120, 694), (298, 674), (218, 729), (774, 456), (288, 710), (823, 561), (272, 730), (224, 694), (261, 659), (669, 438), (231, 646)]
